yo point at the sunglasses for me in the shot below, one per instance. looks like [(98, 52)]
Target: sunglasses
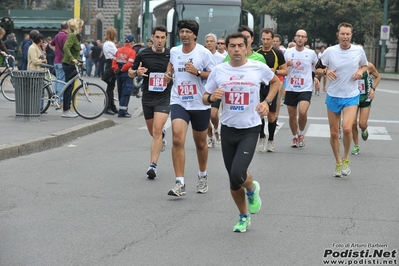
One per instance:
[(220, 42)]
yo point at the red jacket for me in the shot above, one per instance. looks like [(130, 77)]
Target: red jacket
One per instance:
[(124, 56)]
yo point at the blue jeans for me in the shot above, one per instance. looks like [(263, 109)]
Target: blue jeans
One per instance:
[(60, 74), (89, 66), (125, 88)]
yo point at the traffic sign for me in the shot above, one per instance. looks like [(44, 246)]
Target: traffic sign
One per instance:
[(385, 33)]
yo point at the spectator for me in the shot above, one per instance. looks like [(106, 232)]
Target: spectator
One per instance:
[(12, 45), (25, 48), (89, 62), (36, 54), (95, 53), (50, 54)]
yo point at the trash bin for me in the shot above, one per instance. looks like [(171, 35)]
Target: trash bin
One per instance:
[(28, 85)]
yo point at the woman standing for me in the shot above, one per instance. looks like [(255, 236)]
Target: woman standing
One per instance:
[(36, 55), (109, 50), (70, 59)]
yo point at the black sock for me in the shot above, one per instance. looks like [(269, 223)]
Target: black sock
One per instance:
[(272, 128)]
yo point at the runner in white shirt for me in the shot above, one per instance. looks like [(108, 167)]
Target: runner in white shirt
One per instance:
[(221, 46), (190, 63), (213, 127), (237, 84), (343, 64), (301, 62)]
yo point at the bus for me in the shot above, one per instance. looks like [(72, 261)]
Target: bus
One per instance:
[(221, 17), (152, 23)]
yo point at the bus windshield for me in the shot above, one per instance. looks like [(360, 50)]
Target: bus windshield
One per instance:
[(220, 20)]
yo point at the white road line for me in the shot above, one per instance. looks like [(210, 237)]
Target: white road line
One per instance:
[(370, 120), (323, 131)]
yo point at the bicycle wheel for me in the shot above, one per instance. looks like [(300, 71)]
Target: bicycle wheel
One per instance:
[(7, 89), (46, 99), (89, 102)]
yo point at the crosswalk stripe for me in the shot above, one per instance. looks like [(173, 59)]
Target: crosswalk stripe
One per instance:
[(323, 131)]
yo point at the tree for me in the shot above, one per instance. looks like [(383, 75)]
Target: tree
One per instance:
[(320, 18)]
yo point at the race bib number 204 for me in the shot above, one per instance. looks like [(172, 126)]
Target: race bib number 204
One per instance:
[(186, 91)]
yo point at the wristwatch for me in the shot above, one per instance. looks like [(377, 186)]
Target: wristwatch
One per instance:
[(199, 73), (268, 101), (135, 72), (324, 71)]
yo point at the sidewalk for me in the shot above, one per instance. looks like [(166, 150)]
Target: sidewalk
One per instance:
[(19, 138), (22, 138)]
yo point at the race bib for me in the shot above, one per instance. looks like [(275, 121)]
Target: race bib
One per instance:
[(297, 81), (157, 82), (361, 86), (237, 100), (187, 91)]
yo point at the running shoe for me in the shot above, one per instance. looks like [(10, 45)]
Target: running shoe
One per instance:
[(243, 222), (262, 145), (164, 142), (202, 186), (346, 170), (254, 201), (338, 170), (301, 141), (151, 172), (365, 135), (355, 150), (217, 137), (270, 146), (211, 143), (294, 142), (179, 190)]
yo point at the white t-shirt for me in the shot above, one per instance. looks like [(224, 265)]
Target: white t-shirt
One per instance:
[(346, 63), (224, 53), (219, 57), (241, 91), (109, 50), (187, 88), (299, 76)]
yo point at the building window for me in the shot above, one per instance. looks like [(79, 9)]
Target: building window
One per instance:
[(100, 3)]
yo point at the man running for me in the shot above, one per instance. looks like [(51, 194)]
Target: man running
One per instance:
[(343, 64), (237, 84), (190, 63), (301, 62), (151, 63)]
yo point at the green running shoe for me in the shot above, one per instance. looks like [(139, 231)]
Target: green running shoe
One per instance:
[(365, 135), (355, 150), (338, 170), (243, 222), (346, 170), (254, 201)]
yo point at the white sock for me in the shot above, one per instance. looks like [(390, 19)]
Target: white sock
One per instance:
[(201, 174), (181, 179), (300, 132)]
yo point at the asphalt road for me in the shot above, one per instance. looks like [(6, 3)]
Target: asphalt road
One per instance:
[(89, 202)]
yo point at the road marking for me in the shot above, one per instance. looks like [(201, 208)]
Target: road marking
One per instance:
[(323, 131), (370, 120), (389, 91)]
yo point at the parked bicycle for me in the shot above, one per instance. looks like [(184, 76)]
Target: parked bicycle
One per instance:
[(7, 89), (89, 100)]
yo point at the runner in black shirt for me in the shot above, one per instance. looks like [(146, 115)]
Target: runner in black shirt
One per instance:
[(151, 64)]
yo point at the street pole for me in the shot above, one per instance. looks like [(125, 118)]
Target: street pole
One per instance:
[(147, 34), (76, 10), (88, 21), (384, 43), (121, 37)]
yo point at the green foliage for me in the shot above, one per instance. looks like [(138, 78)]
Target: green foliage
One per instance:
[(320, 18), (58, 5)]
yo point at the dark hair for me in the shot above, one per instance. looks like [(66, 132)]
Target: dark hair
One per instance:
[(94, 43), (245, 28), (188, 24), (161, 28), (278, 36), (37, 38), (267, 31), (236, 35), (33, 33)]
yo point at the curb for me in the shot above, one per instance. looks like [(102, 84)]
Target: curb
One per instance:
[(55, 140)]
